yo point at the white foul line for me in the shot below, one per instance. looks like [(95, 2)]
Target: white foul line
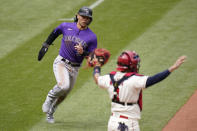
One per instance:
[(95, 4), (92, 6), (66, 19)]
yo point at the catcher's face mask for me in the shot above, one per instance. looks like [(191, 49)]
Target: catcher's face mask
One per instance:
[(128, 61)]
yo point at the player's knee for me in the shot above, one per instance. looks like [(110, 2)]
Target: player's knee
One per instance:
[(63, 85)]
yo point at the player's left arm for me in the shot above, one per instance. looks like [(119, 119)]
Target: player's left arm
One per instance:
[(96, 73), (99, 58), (101, 81), (82, 50), (86, 49)]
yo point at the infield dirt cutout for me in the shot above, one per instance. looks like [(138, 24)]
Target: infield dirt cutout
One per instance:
[(186, 118)]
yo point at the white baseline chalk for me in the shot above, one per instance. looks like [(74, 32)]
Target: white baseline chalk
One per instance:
[(92, 6)]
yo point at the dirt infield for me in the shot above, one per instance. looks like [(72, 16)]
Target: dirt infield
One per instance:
[(186, 118)]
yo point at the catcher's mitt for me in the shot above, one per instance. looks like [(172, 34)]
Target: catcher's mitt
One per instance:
[(102, 55)]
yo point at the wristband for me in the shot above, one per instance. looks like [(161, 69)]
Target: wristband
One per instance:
[(97, 69)]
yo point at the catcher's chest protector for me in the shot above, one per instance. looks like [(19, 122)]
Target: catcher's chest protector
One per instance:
[(117, 83)]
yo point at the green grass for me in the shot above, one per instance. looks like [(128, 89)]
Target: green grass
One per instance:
[(22, 20), (172, 36), (159, 30)]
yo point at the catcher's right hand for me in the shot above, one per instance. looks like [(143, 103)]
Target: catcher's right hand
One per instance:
[(43, 51), (99, 57)]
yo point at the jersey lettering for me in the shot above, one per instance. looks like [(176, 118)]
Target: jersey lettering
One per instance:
[(74, 39)]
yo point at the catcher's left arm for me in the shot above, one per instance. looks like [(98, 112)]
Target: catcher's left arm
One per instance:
[(99, 55), (97, 59), (96, 71)]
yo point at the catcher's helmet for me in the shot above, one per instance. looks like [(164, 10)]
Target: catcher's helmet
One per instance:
[(128, 61), (84, 11)]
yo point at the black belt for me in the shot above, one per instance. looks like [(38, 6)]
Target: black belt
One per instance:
[(123, 103), (70, 63)]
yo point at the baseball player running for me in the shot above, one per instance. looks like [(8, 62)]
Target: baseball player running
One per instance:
[(125, 89), (78, 42)]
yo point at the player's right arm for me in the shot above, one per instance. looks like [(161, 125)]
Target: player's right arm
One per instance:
[(162, 75), (52, 36)]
